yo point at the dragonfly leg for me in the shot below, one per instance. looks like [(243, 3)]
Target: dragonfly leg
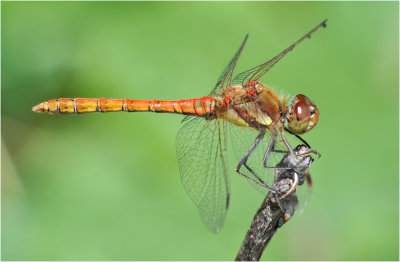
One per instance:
[(254, 174), (308, 152), (244, 159), (287, 143), (277, 198), (271, 148), (293, 186)]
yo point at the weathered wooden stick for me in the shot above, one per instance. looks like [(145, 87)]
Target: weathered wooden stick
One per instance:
[(277, 208)]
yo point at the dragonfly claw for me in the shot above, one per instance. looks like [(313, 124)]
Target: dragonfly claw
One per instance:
[(308, 152), (292, 186)]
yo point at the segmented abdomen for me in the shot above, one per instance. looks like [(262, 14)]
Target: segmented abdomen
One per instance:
[(195, 106)]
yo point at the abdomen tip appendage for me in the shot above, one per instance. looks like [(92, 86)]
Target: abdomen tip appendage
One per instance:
[(38, 108)]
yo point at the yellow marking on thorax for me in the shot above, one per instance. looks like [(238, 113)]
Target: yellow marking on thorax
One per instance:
[(264, 119), (233, 117)]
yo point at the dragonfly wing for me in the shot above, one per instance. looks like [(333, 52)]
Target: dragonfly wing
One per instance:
[(255, 73), (201, 150), (225, 79), (304, 193)]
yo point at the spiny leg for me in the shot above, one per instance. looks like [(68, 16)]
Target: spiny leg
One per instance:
[(309, 151), (292, 187), (278, 200), (244, 160), (271, 148), (254, 174), (293, 184)]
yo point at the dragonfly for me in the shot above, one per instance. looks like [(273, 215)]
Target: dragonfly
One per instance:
[(256, 118)]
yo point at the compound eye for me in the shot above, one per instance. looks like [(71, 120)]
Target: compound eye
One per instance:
[(302, 111), (303, 98), (312, 110)]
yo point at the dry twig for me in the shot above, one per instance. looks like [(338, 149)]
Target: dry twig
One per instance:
[(272, 214)]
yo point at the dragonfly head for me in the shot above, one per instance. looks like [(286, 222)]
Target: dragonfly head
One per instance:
[(302, 116)]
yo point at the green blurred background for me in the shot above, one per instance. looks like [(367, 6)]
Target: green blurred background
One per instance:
[(107, 186)]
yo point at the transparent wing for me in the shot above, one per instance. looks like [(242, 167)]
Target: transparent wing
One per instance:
[(225, 79), (201, 150), (304, 192), (255, 73)]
